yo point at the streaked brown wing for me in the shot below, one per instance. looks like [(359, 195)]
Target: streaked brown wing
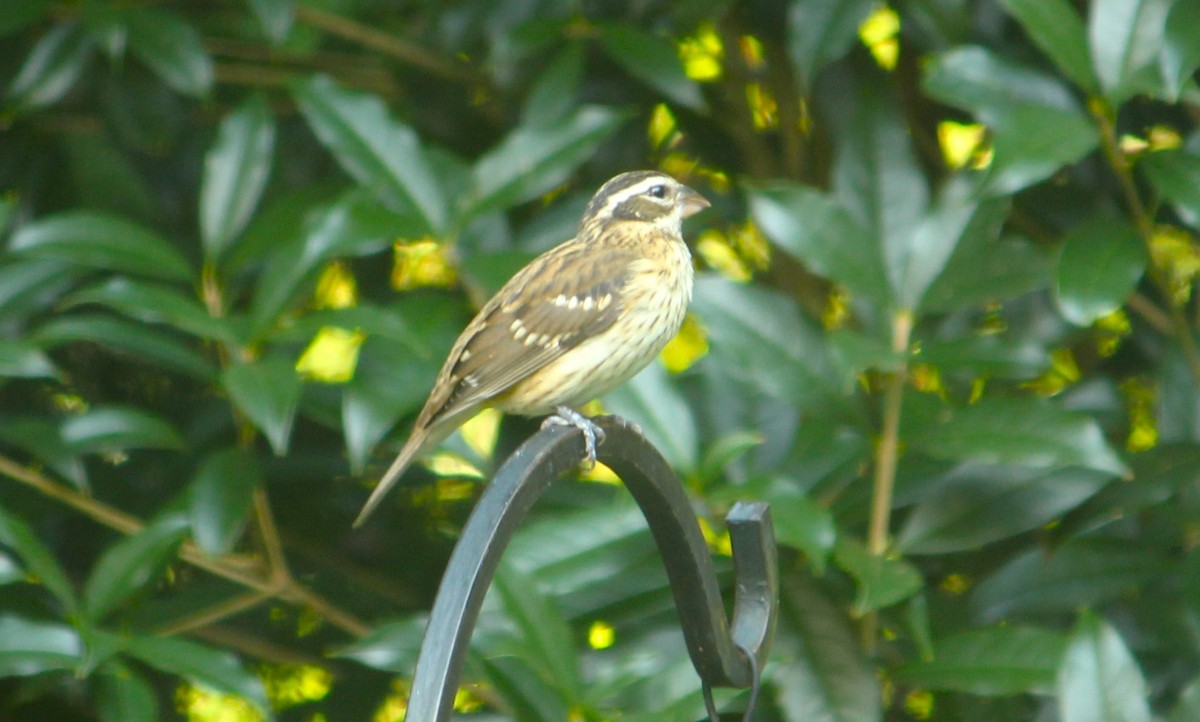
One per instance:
[(563, 297)]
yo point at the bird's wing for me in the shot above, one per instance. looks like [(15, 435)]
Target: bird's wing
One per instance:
[(565, 296)]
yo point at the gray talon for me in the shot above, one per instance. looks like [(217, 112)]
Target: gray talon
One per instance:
[(593, 435)]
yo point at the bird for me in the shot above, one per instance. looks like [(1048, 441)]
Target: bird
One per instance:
[(575, 323)]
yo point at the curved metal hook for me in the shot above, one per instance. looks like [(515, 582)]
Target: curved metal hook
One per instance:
[(715, 649)]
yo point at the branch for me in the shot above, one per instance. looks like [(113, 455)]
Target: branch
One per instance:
[(235, 568)]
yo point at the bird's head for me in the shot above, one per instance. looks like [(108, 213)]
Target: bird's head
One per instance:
[(644, 196)]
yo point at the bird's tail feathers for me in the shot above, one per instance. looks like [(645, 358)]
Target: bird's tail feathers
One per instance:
[(416, 443)]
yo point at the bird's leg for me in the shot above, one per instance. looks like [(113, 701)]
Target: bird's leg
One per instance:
[(592, 434)]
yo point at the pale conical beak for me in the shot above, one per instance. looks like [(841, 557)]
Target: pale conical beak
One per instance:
[(691, 201)]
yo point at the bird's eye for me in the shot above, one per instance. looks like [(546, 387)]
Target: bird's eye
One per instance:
[(659, 191)]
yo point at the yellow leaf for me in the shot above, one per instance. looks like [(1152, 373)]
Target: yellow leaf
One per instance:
[(1140, 401), (331, 356), (1164, 137), (963, 145), (880, 33), (919, 704), (601, 635), (702, 54), (663, 131), (688, 346), (198, 704), (420, 264), (481, 431), (764, 110), (1175, 254), (714, 248), (336, 287)]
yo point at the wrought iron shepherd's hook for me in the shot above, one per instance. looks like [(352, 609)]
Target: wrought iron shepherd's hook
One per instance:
[(724, 655)]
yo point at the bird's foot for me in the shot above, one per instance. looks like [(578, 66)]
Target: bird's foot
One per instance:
[(593, 435)]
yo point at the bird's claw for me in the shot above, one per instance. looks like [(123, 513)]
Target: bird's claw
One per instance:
[(593, 435)]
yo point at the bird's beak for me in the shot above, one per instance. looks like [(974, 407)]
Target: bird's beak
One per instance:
[(691, 201)]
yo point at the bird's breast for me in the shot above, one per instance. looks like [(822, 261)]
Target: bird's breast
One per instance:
[(654, 301)]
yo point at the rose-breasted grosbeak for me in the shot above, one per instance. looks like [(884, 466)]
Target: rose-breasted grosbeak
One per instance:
[(578, 321)]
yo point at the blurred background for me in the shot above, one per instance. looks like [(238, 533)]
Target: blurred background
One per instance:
[(943, 323)]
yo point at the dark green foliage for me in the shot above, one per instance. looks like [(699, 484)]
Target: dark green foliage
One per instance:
[(237, 239)]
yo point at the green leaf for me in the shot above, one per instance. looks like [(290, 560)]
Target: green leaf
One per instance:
[(275, 17), (353, 224), (816, 229), (373, 402), (40, 564), (1056, 28), (819, 671), (556, 89), (15, 17), (26, 286), (52, 67), (979, 505), (991, 661), (762, 341), (654, 402), (1181, 47), (804, 524), (383, 155), (172, 48), (531, 161), (131, 565), (125, 696), (543, 637), (984, 271), (391, 647), (1125, 38), (39, 436), (652, 59), (235, 174), (1102, 261), (218, 670), (97, 240), (875, 170), (105, 429), (267, 392), (987, 354), (155, 303), (1176, 175), (21, 359), (723, 452), (1022, 431), (822, 31), (959, 217), (28, 647), (1031, 144), (881, 581), (1081, 572), (1099, 680), (142, 344), (1187, 708), (219, 499), (528, 694), (1037, 125)]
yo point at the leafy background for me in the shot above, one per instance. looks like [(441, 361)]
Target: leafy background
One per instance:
[(944, 324)]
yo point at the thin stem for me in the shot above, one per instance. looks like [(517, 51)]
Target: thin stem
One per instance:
[(384, 42), (272, 545), (1144, 221), (887, 454), (217, 612), (237, 569)]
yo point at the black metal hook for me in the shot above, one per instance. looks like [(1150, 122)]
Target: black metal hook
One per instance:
[(718, 649)]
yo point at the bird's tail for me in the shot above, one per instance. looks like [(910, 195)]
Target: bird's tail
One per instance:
[(418, 442)]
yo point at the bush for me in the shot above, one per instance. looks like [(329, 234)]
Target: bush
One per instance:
[(944, 324)]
